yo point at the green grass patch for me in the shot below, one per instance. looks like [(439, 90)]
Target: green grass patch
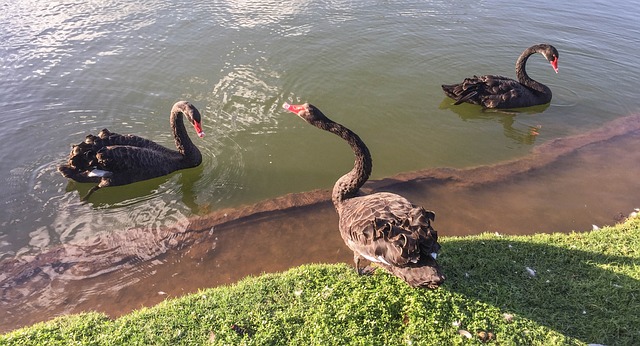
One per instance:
[(585, 290)]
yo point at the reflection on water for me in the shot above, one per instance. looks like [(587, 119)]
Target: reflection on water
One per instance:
[(49, 33), (247, 97), (115, 272), (74, 68), (251, 14), (513, 127), (71, 68)]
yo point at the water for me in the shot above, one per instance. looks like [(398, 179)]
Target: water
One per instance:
[(70, 68)]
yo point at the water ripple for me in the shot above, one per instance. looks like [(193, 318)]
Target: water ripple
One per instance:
[(249, 13), (248, 95), (71, 68)]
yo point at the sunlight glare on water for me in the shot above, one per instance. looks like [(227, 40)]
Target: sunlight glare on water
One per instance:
[(71, 68)]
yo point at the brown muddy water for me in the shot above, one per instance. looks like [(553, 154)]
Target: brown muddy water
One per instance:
[(595, 176)]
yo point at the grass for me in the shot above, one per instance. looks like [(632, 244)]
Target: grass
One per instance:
[(585, 290)]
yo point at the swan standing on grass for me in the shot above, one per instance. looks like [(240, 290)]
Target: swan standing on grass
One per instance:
[(110, 159), (383, 228)]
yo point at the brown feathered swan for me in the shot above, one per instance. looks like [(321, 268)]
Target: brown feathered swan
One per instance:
[(383, 228), (110, 159)]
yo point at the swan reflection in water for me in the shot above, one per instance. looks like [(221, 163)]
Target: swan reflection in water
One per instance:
[(518, 132), (180, 184)]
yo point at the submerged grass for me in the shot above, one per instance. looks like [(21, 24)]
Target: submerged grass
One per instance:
[(545, 289)]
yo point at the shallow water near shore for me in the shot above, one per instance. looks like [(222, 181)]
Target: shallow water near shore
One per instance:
[(589, 174), (71, 68)]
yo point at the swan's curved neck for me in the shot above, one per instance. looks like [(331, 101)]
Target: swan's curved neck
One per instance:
[(348, 185), (522, 75), (184, 144)]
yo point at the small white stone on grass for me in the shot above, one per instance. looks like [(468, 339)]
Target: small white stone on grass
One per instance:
[(465, 333), (507, 317), (530, 271)]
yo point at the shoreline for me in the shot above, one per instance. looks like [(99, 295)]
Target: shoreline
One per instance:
[(298, 228)]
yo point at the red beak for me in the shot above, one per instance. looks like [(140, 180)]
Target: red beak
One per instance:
[(554, 64), (293, 108), (198, 128)]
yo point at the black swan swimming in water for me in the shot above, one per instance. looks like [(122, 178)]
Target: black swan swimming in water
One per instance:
[(383, 228), (501, 92), (110, 159)]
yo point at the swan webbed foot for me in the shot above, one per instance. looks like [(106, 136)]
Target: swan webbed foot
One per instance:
[(93, 189)]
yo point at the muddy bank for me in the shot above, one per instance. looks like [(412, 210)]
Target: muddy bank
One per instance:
[(563, 185)]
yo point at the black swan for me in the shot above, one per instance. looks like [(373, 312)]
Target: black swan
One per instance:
[(383, 228), (501, 92), (110, 159)]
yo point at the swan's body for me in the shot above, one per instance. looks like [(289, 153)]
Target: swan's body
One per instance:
[(384, 228), (492, 91), (110, 159)]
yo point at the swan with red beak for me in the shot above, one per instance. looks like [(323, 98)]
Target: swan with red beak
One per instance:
[(383, 228)]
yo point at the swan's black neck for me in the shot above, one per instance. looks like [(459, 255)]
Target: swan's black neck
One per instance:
[(185, 146), (522, 75), (348, 185)]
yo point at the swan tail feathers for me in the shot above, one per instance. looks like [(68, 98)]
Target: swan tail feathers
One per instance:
[(82, 162), (450, 90), (466, 96), (463, 92), (416, 246)]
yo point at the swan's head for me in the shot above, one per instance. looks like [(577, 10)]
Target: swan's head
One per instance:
[(308, 112), (551, 54), (192, 113)]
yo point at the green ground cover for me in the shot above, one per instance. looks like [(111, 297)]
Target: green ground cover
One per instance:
[(545, 289)]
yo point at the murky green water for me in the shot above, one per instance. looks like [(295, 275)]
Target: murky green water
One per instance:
[(73, 67)]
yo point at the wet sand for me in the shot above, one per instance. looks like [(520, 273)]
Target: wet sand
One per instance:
[(563, 185)]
